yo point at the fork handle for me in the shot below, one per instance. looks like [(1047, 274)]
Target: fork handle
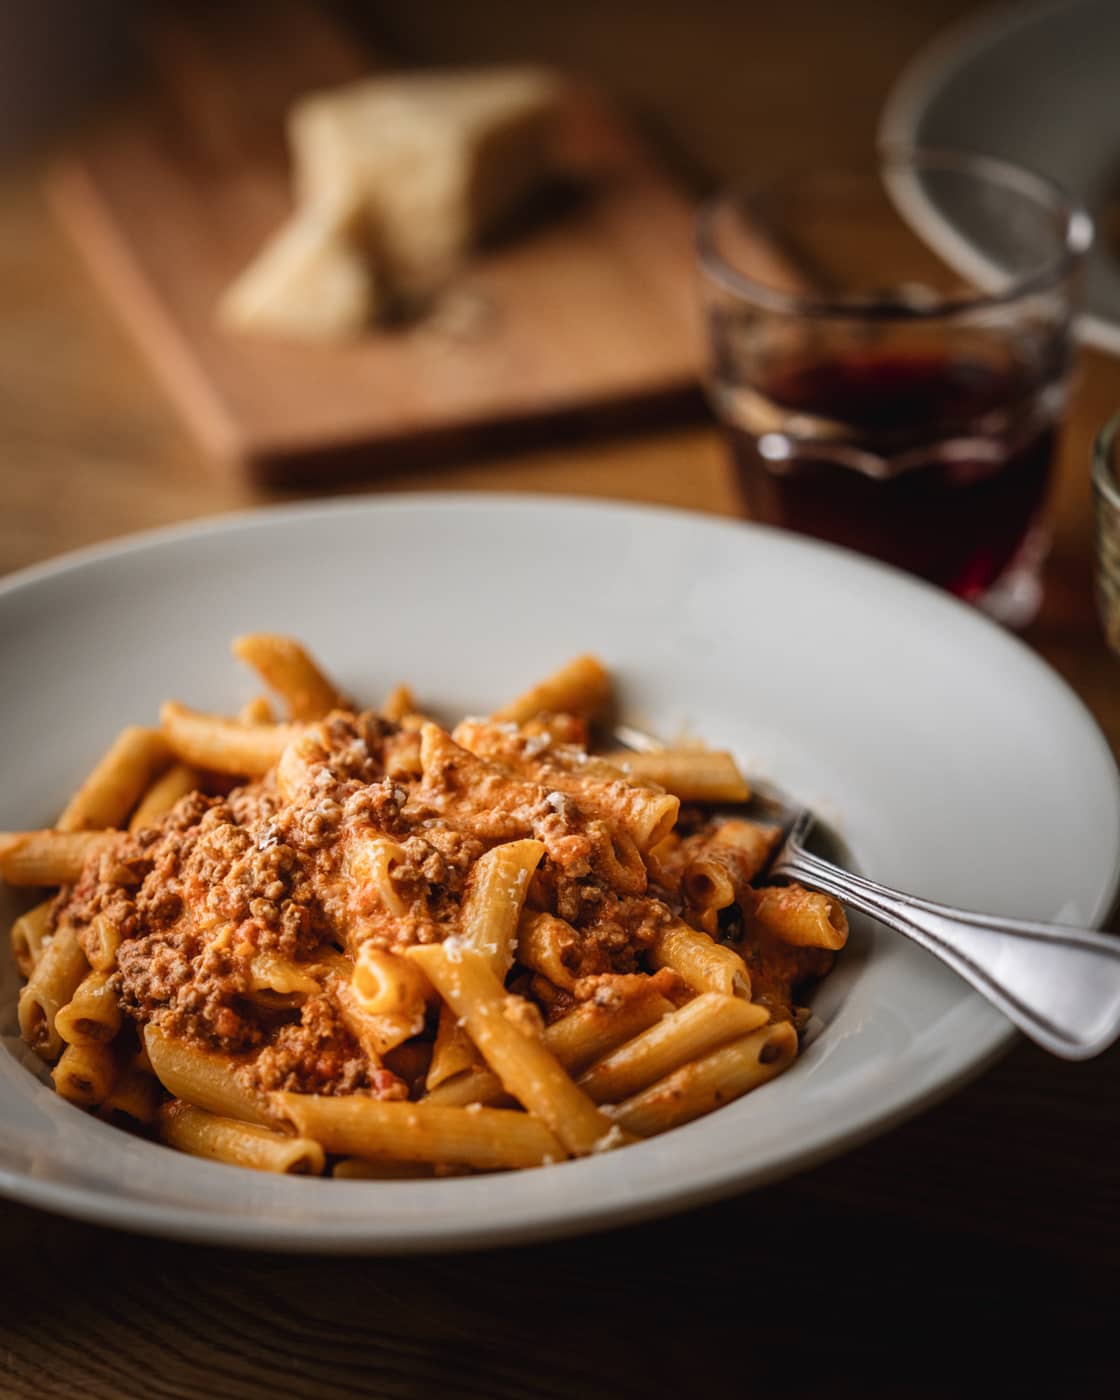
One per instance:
[(1060, 986)]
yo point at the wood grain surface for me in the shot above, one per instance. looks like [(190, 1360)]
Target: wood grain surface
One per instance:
[(974, 1250), (586, 310)]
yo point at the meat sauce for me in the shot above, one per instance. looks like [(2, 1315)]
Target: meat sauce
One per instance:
[(267, 871)]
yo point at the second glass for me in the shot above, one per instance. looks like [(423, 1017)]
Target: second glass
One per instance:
[(1106, 491), (881, 397)]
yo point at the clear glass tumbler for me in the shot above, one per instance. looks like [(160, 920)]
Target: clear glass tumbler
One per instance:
[(1106, 495), (894, 392)]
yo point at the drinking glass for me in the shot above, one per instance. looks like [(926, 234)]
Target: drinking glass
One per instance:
[(1106, 495), (896, 393)]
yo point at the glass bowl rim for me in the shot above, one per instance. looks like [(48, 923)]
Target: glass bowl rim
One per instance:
[(901, 161)]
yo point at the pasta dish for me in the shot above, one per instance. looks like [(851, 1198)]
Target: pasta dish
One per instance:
[(357, 942)]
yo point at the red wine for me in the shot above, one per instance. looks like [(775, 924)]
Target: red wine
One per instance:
[(933, 462)]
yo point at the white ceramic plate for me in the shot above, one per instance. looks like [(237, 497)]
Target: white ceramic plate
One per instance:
[(955, 764), (1036, 85)]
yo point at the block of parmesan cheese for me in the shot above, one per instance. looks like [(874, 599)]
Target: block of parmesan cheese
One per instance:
[(313, 279), (440, 157)]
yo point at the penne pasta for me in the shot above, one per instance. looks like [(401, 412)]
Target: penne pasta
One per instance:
[(492, 805), (387, 998), (494, 898), (277, 981), (542, 941), (750, 844), (729, 859), (581, 687), (287, 668), (370, 861), (135, 1096), (707, 966), (203, 1077), (475, 1084), (399, 704), (699, 1026), (102, 939), (617, 859), (387, 984), (179, 780), (29, 933), (356, 1125), (224, 745), (117, 783), (708, 884), (377, 1035), (453, 776), (644, 815), (596, 1027), (258, 710), (453, 1053), (592, 1030), (336, 905), (92, 1016), (501, 1029), (52, 984), (693, 775), (209, 1135), (703, 1085), (800, 917), (327, 961), (48, 857), (402, 760), (84, 1074)]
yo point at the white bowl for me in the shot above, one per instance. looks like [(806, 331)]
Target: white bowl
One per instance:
[(953, 761)]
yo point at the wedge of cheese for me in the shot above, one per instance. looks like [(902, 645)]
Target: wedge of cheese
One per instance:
[(440, 159), (312, 280)]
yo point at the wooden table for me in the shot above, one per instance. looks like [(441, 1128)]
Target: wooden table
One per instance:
[(975, 1245)]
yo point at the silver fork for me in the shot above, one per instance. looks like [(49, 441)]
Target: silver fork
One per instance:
[(1059, 985)]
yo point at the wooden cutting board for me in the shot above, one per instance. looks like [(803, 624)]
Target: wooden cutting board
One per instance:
[(585, 316)]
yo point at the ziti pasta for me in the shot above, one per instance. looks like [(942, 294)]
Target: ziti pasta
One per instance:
[(360, 943)]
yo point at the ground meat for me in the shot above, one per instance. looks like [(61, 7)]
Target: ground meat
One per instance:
[(617, 929), (189, 988), (351, 840), (317, 1056), (613, 930), (778, 970)]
